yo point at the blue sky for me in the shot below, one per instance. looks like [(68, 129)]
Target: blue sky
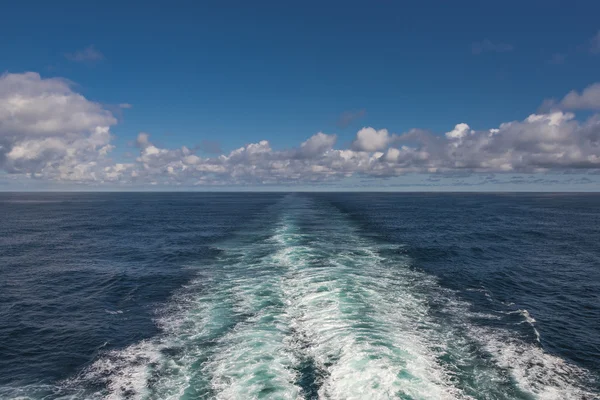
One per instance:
[(216, 76)]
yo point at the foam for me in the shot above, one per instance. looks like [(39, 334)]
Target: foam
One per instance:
[(233, 336), (125, 372), (534, 371), (164, 367), (544, 375), (531, 321), (252, 360), (365, 339)]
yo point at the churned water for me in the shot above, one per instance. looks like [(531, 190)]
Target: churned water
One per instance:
[(299, 296)]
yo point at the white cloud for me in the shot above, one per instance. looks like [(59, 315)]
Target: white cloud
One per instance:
[(459, 131), (143, 140), (369, 139), (317, 144), (48, 131), (589, 99), (32, 106)]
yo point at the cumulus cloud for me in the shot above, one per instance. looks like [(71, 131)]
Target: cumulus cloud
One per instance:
[(539, 143), (460, 131), (88, 54), (143, 140), (487, 46), (317, 144), (32, 106), (48, 131), (369, 139), (588, 99)]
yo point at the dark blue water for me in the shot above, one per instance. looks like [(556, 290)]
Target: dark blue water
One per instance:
[(324, 295)]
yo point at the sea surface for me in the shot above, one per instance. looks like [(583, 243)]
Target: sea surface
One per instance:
[(299, 296)]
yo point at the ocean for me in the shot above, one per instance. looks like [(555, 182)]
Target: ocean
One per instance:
[(299, 296)]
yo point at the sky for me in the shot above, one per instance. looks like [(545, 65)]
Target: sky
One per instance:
[(312, 95)]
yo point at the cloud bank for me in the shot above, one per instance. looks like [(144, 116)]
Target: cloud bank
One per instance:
[(48, 131)]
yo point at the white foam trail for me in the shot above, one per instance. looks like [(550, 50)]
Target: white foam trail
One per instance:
[(125, 372), (544, 375), (367, 337), (189, 324), (161, 367), (535, 372), (253, 361), (250, 359), (191, 356)]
